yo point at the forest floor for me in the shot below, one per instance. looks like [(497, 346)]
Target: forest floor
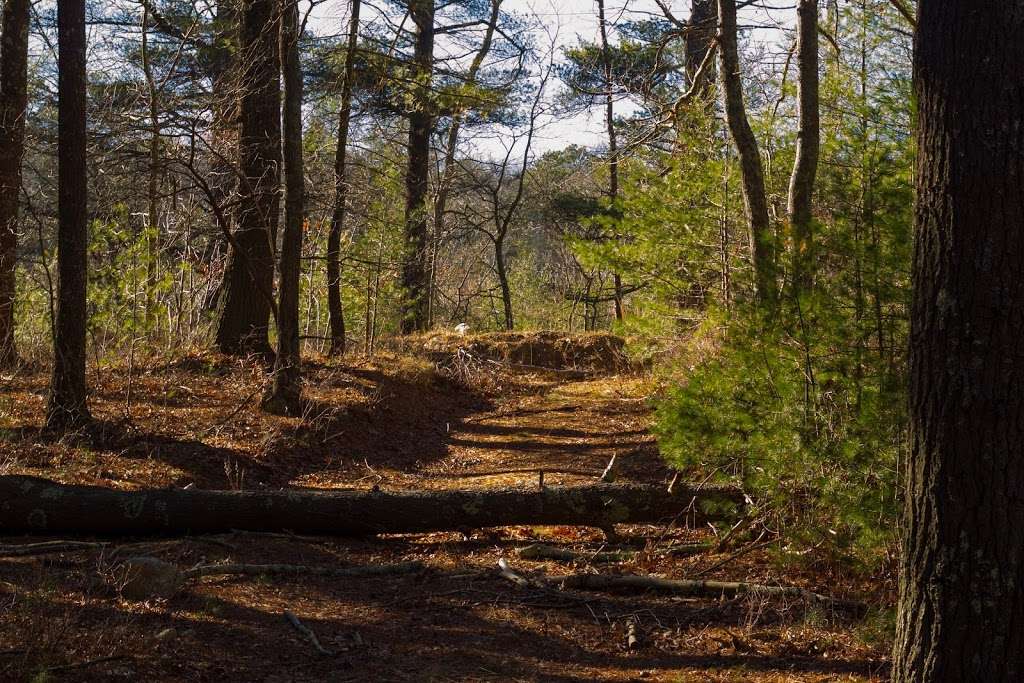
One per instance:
[(395, 423)]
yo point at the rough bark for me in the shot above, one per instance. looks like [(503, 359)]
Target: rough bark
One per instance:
[(13, 107), (335, 309), (506, 289), (31, 505), (247, 290), (66, 407), (808, 145), (755, 200), (415, 283), (701, 36), (285, 395), (225, 75), (961, 615)]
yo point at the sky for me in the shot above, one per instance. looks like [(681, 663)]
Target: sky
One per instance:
[(570, 21)]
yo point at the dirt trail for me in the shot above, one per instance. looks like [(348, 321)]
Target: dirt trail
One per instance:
[(570, 430), (394, 426)]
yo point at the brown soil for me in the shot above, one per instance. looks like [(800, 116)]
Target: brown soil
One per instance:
[(391, 422)]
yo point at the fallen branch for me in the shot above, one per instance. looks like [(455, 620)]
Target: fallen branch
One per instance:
[(306, 631), (547, 552), (303, 570), (597, 582), (46, 548), (31, 505), (510, 574), (88, 663), (141, 578), (690, 588), (738, 554)]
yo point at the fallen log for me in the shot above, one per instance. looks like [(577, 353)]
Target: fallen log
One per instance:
[(32, 505)]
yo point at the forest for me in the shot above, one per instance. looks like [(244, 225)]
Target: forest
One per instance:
[(537, 340)]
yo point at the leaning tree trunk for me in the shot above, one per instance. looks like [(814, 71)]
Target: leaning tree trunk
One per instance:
[(67, 403), (285, 395), (415, 283), (808, 144), (13, 109), (962, 572), (335, 308), (755, 200), (247, 291), (32, 505)]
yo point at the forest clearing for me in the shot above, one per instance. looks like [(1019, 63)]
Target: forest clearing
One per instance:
[(396, 423), (512, 340)]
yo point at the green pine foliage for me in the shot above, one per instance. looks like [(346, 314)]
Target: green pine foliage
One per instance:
[(805, 406)]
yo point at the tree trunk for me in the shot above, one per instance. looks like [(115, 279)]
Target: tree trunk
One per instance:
[(67, 403), (613, 144), (247, 291), (41, 506), (962, 571), (755, 201), (808, 144), (415, 283), (506, 290), (699, 39), (13, 109), (335, 308), (285, 396), (225, 75)]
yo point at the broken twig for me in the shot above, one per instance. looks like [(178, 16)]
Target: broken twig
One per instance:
[(307, 632)]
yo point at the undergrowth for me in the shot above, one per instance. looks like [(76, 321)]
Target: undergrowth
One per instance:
[(812, 430)]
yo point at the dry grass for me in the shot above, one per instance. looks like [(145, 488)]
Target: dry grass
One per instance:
[(594, 353)]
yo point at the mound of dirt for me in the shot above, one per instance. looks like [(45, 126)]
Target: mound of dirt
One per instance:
[(596, 352)]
